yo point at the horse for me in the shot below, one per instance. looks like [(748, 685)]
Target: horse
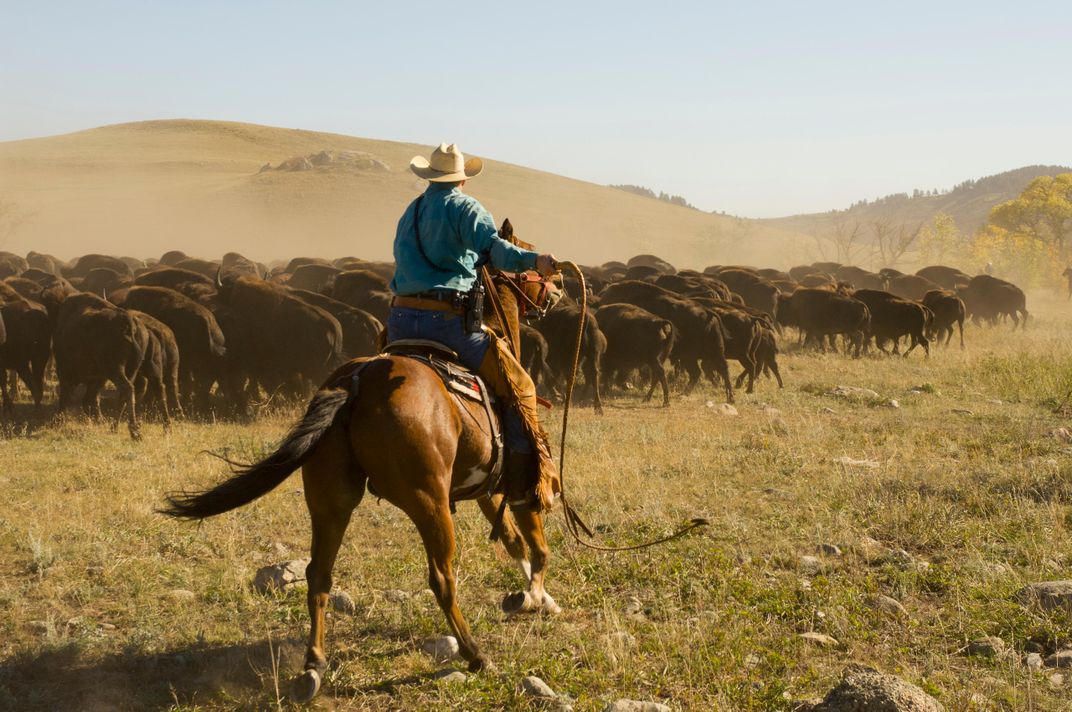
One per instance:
[(403, 436)]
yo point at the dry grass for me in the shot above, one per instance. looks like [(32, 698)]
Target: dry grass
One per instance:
[(985, 498)]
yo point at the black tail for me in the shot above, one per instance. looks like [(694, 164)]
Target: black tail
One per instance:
[(252, 481)]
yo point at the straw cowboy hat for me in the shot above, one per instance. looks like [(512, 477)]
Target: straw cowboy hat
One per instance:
[(448, 165)]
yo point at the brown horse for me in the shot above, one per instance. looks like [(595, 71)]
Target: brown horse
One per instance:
[(398, 431)]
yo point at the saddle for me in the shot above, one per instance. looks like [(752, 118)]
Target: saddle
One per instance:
[(460, 383)]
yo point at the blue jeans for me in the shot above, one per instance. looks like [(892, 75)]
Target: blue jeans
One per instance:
[(449, 329)]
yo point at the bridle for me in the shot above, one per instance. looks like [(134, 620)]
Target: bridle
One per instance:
[(529, 306)]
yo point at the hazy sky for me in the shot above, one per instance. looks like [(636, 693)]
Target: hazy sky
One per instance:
[(756, 108)]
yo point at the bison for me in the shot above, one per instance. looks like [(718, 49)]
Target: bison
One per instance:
[(637, 339), (948, 310)]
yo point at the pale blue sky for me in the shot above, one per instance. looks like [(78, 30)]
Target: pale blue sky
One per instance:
[(756, 108)]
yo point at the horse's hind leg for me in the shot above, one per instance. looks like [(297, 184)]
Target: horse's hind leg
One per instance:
[(333, 488), (436, 527), (511, 537), (535, 598)]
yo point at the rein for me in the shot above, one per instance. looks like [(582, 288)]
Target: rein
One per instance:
[(574, 524)]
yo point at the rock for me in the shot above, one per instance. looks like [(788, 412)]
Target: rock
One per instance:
[(989, 646), (1047, 595), (851, 462), (535, 687), (810, 564), (887, 605), (106, 626), (870, 549), (396, 596), (891, 403), (1060, 659), (634, 706), (722, 408), (1033, 661), (621, 639), (752, 661), (863, 688), (279, 576), (819, 639), (180, 595), (961, 411), (1061, 434), (771, 411), (996, 401), (278, 549), (828, 411), (343, 602), (442, 648), (1056, 680), (633, 608), (41, 627), (898, 556), (852, 392), (449, 676), (829, 549)]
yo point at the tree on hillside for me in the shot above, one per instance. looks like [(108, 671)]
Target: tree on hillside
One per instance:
[(890, 242), (941, 241), (1043, 211), (841, 242)]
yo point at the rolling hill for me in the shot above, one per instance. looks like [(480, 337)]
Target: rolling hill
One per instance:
[(142, 188)]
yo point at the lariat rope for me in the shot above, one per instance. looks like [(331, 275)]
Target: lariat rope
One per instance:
[(574, 524)]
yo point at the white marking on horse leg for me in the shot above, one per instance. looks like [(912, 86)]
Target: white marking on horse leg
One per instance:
[(526, 569), (549, 605)]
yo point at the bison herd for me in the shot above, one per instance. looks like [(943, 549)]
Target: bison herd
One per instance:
[(185, 337)]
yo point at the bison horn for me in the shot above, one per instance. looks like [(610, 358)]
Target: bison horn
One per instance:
[(219, 277)]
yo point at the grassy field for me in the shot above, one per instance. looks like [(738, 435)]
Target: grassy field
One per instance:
[(952, 502)]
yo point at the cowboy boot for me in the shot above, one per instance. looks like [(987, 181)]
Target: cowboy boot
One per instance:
[(518, 481)]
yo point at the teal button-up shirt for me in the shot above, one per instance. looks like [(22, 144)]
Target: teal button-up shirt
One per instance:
[(455, 231)]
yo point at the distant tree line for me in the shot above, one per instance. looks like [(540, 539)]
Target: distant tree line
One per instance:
[(649, 193)]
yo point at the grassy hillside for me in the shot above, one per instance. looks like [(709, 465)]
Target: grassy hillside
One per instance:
[(969, 204), (145, 187)]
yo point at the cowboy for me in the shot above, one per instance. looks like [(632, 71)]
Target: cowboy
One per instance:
[(442, 240)]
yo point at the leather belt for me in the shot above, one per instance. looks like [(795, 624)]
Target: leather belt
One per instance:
[(427, 304)]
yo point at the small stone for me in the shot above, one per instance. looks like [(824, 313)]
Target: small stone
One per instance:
[(725, 409), (106, 626), (891, 403), (450, 677), (1056, 680), (752, 661), (94, 571), (1060, 659), (810, 564), (40, 627), (961, 411), (1033, 661), (343, 602), (535, 687), (852, 392), (864, 688), (1061, 434), (633, 607), (868, 548), (442, 648), (279, 576), (621, 639), (996, 401), (899, 556), (635, 706), (396, 596), (989, 646), (278, 549), (181, 595), (827, 410), (1047, 595), (829, 549), (887, 605), (819, 639)]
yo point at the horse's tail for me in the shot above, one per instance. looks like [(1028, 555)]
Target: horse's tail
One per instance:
[(258, 479)]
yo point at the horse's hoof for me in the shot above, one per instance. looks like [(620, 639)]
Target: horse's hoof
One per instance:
[(517, 602), (481, 664), (549, 605), (306, 686)]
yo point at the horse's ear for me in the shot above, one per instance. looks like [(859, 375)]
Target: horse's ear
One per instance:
[(506, 232)]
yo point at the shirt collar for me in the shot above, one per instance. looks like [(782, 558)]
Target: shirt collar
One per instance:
[(440, 187)]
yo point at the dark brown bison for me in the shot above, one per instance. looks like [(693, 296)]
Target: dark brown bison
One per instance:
[(534, 352), (945, 277), (699, 344), (173, 257), (95, 341), (12, 265), (45, 263), (818, 280), (84, 264), (989, 298), (360, 330), (28, 347), (201, 342), (658, 263), (893, 317), (636, 339), (103, 280), (312, 277), (178, 279), (819, 313), (208, 268), (291, 344), (859, 278), (757, 292), (948, 310), (910, 286), (157, 379), (559, 328)]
